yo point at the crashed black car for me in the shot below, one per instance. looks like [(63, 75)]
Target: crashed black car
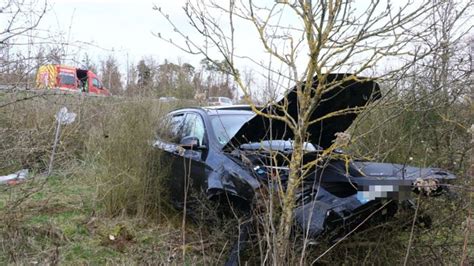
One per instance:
[(225, 151)]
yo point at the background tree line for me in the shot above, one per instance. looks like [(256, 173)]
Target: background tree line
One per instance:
[(148, 77)]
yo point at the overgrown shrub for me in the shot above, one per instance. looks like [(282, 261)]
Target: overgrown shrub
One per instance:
[(423, 138), (111, 136), (27, 130), (129, 170)]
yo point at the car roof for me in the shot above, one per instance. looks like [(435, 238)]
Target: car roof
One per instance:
[(241, 107), (214, 110)]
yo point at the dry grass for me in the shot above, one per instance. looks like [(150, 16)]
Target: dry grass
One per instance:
[(108, 181), (61, 223), (112, 136), (105, 202), (130, 172)]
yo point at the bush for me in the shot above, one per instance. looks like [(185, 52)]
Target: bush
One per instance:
[(130, 172), (28, 127), (110, 142)]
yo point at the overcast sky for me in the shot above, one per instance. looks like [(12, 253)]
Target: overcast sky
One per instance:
[(118, 27), (124, 28)]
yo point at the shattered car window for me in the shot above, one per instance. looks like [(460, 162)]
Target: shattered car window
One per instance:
[(226, 126)]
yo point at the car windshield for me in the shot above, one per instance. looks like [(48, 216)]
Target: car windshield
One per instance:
[(225, 126)]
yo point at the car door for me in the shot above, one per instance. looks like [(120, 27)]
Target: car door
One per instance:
[(169, 134), (95, 86), (195, 158)]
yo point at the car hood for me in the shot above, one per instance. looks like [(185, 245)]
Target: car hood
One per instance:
[(355, 92)]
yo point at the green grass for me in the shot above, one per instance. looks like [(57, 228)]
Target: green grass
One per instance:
[(63, 223)]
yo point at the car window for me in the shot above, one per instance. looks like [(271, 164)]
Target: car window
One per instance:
[(170, 128), (96, 83), (67, 78), (194, 127)]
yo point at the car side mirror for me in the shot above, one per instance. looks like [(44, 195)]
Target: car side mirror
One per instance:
[(192, 143)]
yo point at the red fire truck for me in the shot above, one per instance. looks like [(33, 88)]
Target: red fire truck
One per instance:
[(69, 79)]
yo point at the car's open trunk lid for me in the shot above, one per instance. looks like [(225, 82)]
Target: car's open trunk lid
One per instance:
[(349, 93)]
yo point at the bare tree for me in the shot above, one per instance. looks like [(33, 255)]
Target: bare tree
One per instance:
[(216, 79), (88, 63), (111, 76), (22, 17)]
